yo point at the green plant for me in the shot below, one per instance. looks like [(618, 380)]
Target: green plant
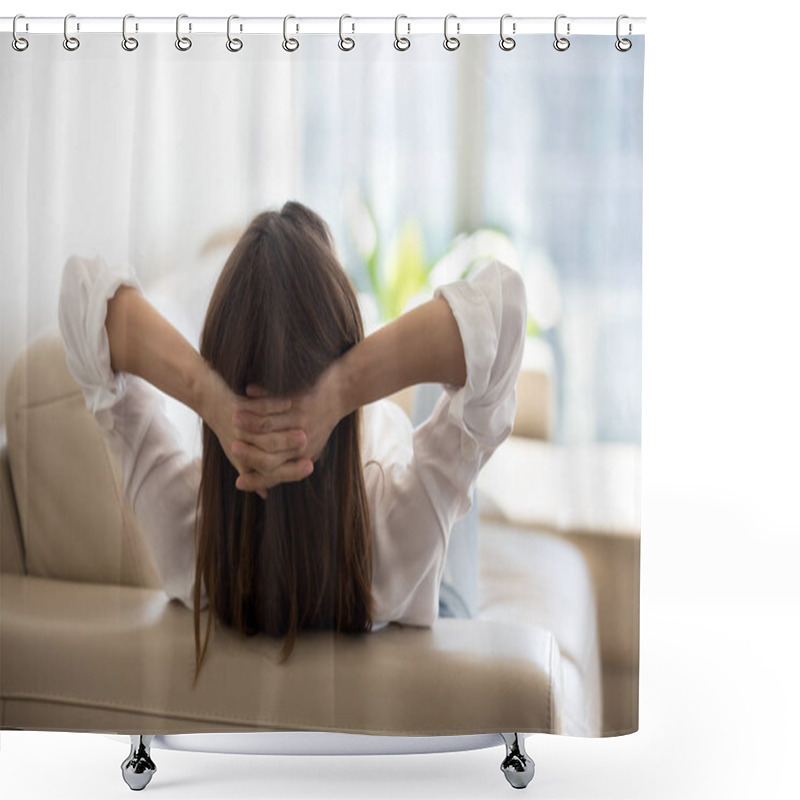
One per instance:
[(404, 270)]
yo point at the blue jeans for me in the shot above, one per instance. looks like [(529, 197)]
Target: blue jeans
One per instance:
[(458, 590)]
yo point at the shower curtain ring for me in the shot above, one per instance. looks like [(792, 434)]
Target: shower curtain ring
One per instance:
[(70, 42), (234, 45), (561, 43), (182, 42), (451, 42), (17, 42), (129, 43), (346, 43), (401, 43), (507, 42), (623, 45), (289, 44)]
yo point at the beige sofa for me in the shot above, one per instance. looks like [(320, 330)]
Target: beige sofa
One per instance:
[(90, 642)]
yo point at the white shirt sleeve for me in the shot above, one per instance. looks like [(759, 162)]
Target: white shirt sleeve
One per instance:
[(428, 473), (159, 479), (422, 481)]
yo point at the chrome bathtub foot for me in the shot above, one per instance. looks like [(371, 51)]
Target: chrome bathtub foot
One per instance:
[(517, 766), (138, 768)]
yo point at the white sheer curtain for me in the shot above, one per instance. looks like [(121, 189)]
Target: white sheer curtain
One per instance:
[(146, 156), (546, 146), (160, 157), (137, 156), (564, 173)]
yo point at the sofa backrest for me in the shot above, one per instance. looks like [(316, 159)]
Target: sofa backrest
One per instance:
[(73, 519)]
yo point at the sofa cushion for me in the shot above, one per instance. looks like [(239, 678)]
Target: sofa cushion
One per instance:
[(538, 578), (61, 471)]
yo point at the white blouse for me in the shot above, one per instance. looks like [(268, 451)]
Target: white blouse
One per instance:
[(428, 471)]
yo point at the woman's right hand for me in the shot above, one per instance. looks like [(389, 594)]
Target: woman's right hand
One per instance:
[(316, 412), (279, 447)]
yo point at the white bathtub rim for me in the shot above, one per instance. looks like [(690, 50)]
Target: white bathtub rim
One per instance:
[(321, 743)]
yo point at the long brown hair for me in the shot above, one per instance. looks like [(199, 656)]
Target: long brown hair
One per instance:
[(282, 310)]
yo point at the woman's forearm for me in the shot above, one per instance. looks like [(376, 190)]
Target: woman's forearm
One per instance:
[(421, 346), (141, 341)]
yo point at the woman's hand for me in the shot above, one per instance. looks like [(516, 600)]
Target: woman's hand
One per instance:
[(315, 412), (279, 446)]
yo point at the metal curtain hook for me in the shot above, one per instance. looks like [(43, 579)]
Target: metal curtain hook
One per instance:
[(290, 45), (507, 42), (623, 45), (451, 42), (401, 43), (70, 42), (561, 43), (346, 43), (234, 45), (182, 42), (129, 43), (17, 42)]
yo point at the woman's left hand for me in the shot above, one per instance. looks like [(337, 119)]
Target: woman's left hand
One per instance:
[(314, 412), (279, 447)]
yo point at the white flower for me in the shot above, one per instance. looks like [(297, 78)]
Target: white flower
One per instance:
[(542, 289)]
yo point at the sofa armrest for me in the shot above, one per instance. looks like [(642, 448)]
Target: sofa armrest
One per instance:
[(588, 494), (98, 657), (75, 525)]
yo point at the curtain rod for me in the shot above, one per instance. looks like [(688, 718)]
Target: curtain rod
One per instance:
[(316, 25)]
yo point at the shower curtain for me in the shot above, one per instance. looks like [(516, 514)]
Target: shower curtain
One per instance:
[(433, 166)]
